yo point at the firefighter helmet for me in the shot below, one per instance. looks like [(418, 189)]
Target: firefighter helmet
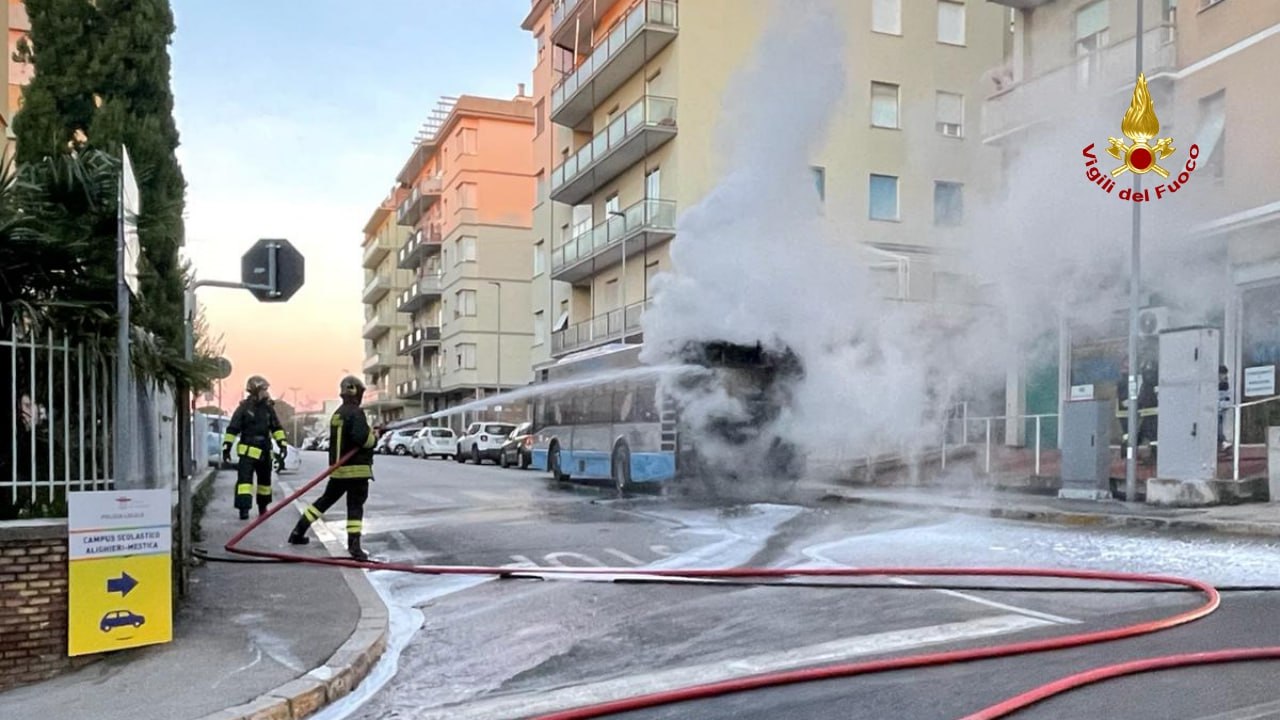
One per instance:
[(351, 385), (256, 383)]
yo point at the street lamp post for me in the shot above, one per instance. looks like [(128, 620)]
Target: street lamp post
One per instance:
[(1135, 279), (295, 390), (498, 372)]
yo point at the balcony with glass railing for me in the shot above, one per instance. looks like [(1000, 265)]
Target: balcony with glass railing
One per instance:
[(376, 289), (608, 327), (378, 324), (646, 31), (422, 197), (631, 232), (423, 290), (1020, 104), (645, 126), (419, 339), (427, 382), (423, 242)]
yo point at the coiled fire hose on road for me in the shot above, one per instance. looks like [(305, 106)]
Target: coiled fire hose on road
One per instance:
[(763, 576)]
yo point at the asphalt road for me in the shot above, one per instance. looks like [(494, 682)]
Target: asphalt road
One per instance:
[(480, 648)]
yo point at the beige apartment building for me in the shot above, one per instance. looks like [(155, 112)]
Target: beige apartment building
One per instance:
[(1208, 65), (465, 205), (384, 367), (628, 102)]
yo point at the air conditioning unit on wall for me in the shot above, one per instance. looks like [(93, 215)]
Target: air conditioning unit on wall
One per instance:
[(1152, 320)]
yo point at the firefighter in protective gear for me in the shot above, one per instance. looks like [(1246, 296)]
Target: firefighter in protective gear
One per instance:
[(348, 429), (256, 424)]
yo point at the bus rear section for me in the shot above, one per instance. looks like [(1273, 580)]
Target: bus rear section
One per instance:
[(601, 420)]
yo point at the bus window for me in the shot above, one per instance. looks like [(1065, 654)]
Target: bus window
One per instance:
[(646, 399), (600, 409), (624, 403)]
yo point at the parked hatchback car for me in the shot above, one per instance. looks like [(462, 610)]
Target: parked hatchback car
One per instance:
[(483, 441), (434, 442), (517, 451), (397, 441)]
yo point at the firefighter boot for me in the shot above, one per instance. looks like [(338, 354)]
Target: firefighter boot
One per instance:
[(299, 534), (354, 549)]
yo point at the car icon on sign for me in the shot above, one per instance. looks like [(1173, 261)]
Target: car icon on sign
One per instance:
[(120, 618)]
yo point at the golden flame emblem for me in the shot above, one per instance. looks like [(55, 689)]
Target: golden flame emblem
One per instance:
[(1140, 124)]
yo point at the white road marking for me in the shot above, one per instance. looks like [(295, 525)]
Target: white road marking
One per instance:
[(1264, 711), (525, 704), (522, 561), (554, 559), (815, 554), (623, 556)]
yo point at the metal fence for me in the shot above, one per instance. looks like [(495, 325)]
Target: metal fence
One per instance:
[(57, 420)]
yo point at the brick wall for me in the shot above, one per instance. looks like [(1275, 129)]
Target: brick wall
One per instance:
[(33, 601)]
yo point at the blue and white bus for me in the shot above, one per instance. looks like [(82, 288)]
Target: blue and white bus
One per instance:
[(627, 430)]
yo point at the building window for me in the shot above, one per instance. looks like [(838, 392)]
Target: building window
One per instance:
[(886, 16), (1092, 22), (950, 108), (948, 203), (611, 205), (612, 296), (884, 105), (562, 321), (470, 141), (1212, 136), (651, 271), (466, 355), (653, 184), (542, 47), (539, 327), (464, 249), (884, 197), (539, 258), (467, 196), (820, 181), (539, 118), (464, 304), (950, 22), (540, 186)]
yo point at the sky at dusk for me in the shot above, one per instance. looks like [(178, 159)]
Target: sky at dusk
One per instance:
[(294, 124)]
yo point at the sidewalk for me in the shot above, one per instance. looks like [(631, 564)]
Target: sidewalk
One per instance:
[(1257, 519), (280, 638)]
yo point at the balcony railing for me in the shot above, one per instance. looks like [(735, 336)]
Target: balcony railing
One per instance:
[(421, 243), (376, 363), (376, 289), (601, 329), (561, 11), (423, 195), (613, 60), (378, 324), (375, 251), (429, 382), (597, 243), (1042, 97), (416, 295), (419, 338), (614, 149)]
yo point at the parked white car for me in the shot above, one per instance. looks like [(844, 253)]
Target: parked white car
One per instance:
[(397, 441), (483, 441), (434, 442)]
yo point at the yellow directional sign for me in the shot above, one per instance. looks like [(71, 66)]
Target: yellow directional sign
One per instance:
[(120, 570)]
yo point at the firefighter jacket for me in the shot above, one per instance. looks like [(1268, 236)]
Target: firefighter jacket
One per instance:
[(257, 424), (349, 429)]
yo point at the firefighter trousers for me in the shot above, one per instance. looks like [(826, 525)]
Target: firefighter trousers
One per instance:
[(248, 467), (357, 492)]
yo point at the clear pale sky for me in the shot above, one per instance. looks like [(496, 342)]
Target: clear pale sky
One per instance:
[(295, 116)]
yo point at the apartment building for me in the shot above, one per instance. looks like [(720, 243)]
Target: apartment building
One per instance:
[(17, 74), (466, 206), (627, 103), (384, 282), (1207, 62)]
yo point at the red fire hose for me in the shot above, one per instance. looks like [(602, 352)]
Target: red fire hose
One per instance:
[(756, 682)]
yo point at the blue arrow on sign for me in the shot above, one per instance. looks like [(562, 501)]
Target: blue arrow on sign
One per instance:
[(122, 584)]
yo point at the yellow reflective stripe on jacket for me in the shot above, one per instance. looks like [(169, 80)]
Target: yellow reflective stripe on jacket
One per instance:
[(229, 438), (370, 440), (311, 513), (278, 435), (244, 489), (264, 490), (357, 472), (355, 526), (252, 452)]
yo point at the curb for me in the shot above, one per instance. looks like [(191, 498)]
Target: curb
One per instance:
[(342, 672), (1072, 518)]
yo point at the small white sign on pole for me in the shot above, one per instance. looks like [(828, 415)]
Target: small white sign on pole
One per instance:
[(1081, 392), (130, 205), (1260, 381)]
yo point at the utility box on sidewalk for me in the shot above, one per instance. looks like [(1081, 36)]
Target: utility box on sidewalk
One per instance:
[(1086, 450), (1188, 409)]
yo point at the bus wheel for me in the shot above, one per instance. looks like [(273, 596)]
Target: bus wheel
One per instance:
[(621, 469), (553, 462)]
